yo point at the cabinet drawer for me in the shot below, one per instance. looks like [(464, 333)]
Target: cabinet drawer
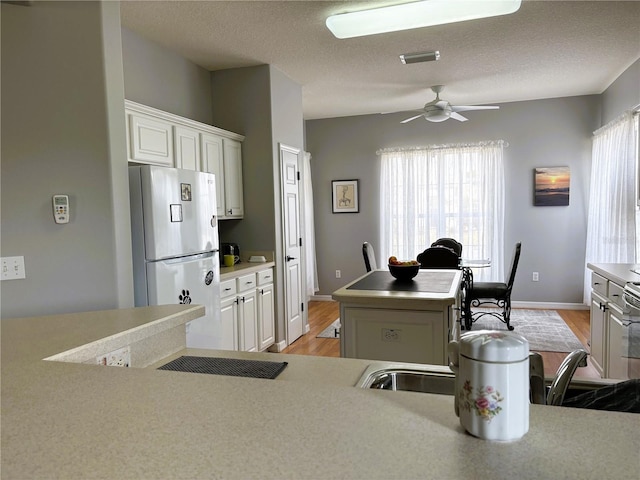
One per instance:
[(599, 284), (246, 282), (228, 288), (265, 277), (615, 294)]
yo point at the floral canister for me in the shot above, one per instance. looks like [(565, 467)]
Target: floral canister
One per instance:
[(492, 384)]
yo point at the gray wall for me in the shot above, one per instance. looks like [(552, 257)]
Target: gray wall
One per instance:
[(265, 106), (63, 132), (162, 79), (540, 133), (623, 94)]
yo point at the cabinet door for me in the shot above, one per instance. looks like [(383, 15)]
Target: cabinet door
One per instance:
[(234, 204), (187, 143), (229, 319), (617, 365), (150, 140), (248, 320), (212, 163), (598, 332), (266, 320)]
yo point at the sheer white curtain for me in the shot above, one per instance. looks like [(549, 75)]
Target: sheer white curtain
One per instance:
[(309, 230), (611, 224), (444, 191)]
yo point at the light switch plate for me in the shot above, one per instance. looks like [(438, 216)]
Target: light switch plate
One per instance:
[(12, 268)]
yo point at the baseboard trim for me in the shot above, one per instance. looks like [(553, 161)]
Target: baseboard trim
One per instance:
[(278, 347), (550, 305), (321, 298), (514, 304)]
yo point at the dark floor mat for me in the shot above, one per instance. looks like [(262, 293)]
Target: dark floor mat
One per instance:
[(226, 366)]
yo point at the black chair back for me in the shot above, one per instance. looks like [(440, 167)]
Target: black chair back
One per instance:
[(514, 265), (439, 257), (452, 243), (369, 256)]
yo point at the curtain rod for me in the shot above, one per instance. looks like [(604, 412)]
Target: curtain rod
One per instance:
[(623, 116), (497, 143)]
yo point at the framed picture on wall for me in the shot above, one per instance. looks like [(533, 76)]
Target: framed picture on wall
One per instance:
[(551, 186), (345, 196)]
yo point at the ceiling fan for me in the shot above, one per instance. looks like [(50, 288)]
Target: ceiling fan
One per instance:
[(440, 110)]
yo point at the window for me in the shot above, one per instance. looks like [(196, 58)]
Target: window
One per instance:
[(444, 191)]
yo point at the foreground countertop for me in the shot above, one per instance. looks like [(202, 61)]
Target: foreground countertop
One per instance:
[(77, 421), (620, 273)]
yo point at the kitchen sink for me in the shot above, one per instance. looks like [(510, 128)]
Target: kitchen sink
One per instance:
[(441, 380), (409, 377)]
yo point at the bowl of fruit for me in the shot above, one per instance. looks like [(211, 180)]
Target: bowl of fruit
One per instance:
[(403, 271)]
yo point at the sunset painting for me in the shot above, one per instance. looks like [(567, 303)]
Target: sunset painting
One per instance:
[(552, 186)]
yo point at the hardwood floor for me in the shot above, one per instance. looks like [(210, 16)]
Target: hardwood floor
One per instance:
[(321, 314)]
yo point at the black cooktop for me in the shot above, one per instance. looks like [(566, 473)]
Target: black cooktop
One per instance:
[(425, 281)]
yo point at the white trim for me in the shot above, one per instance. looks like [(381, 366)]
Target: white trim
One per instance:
[(131, 106), (278, 347), (321, 298), (541, 305), (550, 305)]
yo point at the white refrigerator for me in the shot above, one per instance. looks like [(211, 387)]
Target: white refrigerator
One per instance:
[(175, 245)]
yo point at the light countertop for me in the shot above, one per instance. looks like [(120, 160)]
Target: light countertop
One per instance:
[(76, 421), (618, 272)]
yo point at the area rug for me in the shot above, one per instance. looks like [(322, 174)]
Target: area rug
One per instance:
[(332, 331), (544, 329)]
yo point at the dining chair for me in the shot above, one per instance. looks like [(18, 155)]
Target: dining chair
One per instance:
[(497, 294), (439, 257), (452, 243), (369, 256)]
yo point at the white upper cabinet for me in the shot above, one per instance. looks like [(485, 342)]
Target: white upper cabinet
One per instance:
[(161, 138), (150, 140), (212, 154), (234, 205), (187, 142)]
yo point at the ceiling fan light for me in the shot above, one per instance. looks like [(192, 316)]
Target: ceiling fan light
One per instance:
[(412, 15), (436, 117)]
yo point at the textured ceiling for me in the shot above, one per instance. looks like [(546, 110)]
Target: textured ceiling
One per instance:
[(547, 49)]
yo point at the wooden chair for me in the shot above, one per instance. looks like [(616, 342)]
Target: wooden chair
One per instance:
[(369, 256), (439, 257), (497, 294)]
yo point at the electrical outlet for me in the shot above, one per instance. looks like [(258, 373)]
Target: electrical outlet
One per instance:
[(390, 335), (535, 277), (338, 274), (12, 268), (117, 358)]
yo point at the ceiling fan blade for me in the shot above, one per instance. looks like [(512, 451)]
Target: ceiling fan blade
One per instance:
[(412, 118), (467, 108), (458, 117), (402, 111)]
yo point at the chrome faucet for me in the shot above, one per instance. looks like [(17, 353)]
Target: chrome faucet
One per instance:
[(561, 381)]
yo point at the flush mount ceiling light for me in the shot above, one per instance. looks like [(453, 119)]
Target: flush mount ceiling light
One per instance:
[(407, 16), (420, 57)]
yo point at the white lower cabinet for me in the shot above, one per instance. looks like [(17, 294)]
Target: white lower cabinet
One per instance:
[(247, 309), (247, 313), (229, 315), (266, 309)]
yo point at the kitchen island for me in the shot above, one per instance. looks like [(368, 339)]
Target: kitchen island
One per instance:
[(407, 321), (68, 420)]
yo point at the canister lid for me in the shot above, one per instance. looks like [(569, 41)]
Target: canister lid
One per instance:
[(494, 346)]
